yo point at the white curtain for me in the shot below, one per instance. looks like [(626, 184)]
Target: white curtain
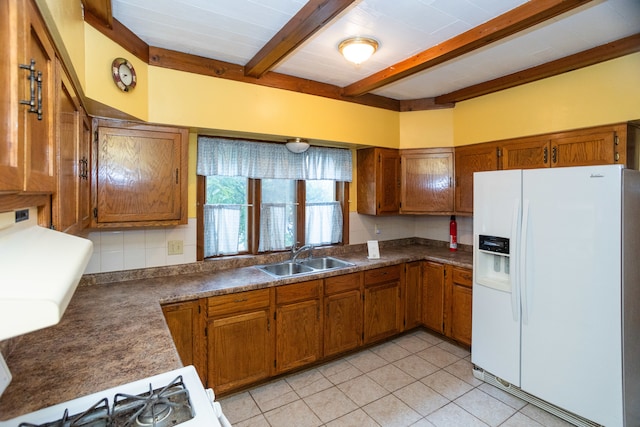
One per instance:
[(261, 160), (273, 224), (222, 226), (323, 223)]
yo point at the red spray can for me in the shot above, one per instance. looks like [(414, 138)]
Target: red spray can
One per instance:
[(453, 234)]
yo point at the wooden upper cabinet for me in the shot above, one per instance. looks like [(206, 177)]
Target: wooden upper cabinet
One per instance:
[(526, 153), (141, 176), (378, 176), (427, 181), (27, 152), (588, 147), (470, 159)]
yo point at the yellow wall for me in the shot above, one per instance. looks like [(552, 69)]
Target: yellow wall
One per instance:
[(426, 129), (600, 94)]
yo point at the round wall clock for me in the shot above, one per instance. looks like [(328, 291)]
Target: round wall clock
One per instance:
[(124, 74)]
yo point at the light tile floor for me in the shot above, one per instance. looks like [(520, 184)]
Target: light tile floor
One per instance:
[(415, 380)]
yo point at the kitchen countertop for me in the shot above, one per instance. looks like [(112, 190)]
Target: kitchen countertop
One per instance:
[(115, 333)]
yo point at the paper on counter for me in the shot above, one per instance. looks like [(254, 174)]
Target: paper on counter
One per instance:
[(374, 249)]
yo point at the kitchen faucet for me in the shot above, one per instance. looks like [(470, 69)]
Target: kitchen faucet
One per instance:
[(295, 252)]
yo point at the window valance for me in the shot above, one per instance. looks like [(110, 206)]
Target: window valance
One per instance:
[(234, 157)]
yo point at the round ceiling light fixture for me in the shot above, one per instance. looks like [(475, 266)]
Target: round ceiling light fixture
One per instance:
[(297, 145), (358, 49)]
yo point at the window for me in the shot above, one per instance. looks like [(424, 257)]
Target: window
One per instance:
[(259, 197)]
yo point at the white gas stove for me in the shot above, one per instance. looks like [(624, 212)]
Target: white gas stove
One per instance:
[(173, 398)]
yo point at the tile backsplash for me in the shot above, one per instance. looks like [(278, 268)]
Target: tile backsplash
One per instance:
[(134, 249)]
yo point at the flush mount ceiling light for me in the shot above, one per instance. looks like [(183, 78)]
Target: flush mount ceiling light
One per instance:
[(358, 49), (297, 145)]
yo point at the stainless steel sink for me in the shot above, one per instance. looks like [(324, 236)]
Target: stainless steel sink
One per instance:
[(306, 266), (325, 263)]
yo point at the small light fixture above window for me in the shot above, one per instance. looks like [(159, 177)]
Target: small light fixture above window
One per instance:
[(358, 49), (297, 145)]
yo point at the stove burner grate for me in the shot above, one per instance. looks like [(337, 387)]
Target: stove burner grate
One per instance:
[(96, 416)]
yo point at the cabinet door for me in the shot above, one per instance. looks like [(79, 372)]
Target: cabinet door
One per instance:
[(412, 294), (526, 154), (388, 184), (298, 324), (470, 159), (382, 303), (11, 155), (66, 199), (342, 313), (378, 175), (585, 149), (433, 286), (141, 176), (427, 181), (239, 350), (184, 320), (459, 327), (298, 334), (37, 126)]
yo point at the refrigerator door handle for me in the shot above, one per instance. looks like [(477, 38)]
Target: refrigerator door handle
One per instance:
[(513, 279), (522, 265)]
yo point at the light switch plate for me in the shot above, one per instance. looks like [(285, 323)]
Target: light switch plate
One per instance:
[(5, 375)]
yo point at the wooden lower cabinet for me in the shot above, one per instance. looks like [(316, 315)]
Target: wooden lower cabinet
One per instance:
[(239, 339), (184, 322), (447, 300), (382, 308), (342, 313), (298, 322), (461, 305), (412, 294)]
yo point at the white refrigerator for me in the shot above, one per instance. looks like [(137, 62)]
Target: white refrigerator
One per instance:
[(556, 289)]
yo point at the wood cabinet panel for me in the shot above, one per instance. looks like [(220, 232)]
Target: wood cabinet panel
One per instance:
[(470, 159), (342, 313), (378, 176), (141, 177), (184, 322), (526, 153), (382, 303), (427, 181), (412, 294), (584, 149), (461, 305), (382, 275), (298, 334), (299, 292), (241, 301), (240, 350), (433, 296)]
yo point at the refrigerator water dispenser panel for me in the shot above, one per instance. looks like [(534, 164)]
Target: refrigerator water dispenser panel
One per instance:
[(493, 263)]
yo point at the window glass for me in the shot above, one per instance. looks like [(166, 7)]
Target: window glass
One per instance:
[(226, 210), (323, 214), (278, 214)]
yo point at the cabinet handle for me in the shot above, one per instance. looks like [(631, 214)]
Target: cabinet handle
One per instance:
[(545, 155), (34, 78), (84, 168), (176, 175), (240, 300), (554, 154), (617, 156)]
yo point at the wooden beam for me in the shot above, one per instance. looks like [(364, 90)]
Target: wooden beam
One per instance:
[(226, 70), (527, 15), (101, 10), (312, 17), (605, 52), (121, 35), (423, 104)]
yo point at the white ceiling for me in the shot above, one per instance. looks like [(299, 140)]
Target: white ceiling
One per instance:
[(235, 30)]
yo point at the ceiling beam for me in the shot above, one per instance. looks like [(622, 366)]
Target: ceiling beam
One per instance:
[(311, 18), (605, 52), (121, 35), (101, 10), (525, 16)]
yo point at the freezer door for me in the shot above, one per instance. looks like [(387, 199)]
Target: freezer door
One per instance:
[(571, 290), (496, 313)]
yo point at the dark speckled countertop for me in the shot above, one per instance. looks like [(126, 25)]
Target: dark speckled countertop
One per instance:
[(115, 333)]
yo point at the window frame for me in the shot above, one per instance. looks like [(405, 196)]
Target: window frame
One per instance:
[(253, 213)]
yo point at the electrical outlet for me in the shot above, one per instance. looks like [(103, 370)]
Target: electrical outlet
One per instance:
[(5, 375), (175, 247), (376, 229)]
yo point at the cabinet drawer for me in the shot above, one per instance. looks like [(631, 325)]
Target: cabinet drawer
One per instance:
[(298, 292), (235, 303), (462, 276), (381, 275), (347, 282)]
